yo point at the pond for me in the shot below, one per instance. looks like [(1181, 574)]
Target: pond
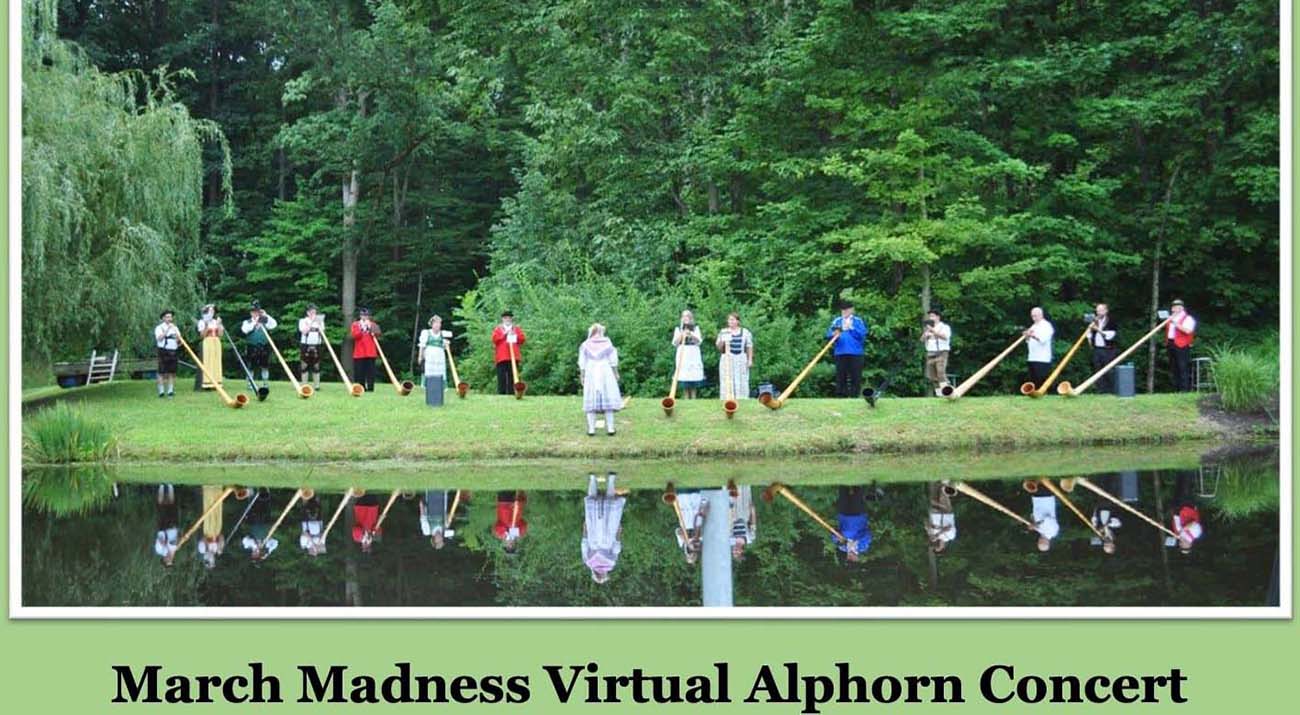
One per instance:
[(89, 537)]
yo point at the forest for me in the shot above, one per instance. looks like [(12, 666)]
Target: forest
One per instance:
[(600, 160)]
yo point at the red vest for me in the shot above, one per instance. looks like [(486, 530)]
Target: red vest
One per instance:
[(1181, 339), (503, 347), (363, 343)]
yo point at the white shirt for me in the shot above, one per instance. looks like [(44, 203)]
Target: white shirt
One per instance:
[(250, 325), (249, 542), (165, 336), (165, 540), (1045, 517), (1040, 341), (1182, 322), (943, 527), (1101, 335), (306, 335), (941, 343)]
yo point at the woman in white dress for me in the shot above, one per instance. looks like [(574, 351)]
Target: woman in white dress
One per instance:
[(598, 370), (737, 347), (602, 530), (433, 356), (688, 362)]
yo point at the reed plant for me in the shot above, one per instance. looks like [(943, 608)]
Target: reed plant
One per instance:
[(1247, 377), (63, 434)]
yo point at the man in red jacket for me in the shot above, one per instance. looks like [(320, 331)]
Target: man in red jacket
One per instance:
[(364, 332), (1179, 336), (508, 338), (365, 521), (510, 525)]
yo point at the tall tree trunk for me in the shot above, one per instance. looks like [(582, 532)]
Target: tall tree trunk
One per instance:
[(415, 330), (1155, 276), (214, 91), (351, 253), (282, 167), (925, 268)]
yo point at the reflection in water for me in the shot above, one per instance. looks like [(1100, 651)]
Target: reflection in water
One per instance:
[(598, 544)]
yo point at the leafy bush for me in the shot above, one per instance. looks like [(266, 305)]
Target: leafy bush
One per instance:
[(1247, 377), (64, 435)]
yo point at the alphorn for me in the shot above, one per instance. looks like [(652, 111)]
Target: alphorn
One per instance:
[(384, 514), (1066, 389), (404, 387), (304, 391), (462, 388), (1028, 388), (988, 501), (1087, 484), (353, 388), (671, 400), (346, 497), (779, 488), (261, 392), (298, 494), (729, 405), (236, 402), (206, 512), (776, 403), (1060, 495), (670, 498), (451, 513), (514, 372), (969, 382)]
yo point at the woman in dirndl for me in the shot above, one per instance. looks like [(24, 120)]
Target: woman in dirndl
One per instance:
[(211, 330), (688, 362), (598, 369), (433, 356), (602, 530), (736, 344)]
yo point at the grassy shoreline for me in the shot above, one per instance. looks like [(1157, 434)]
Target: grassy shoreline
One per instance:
[(334, 427)]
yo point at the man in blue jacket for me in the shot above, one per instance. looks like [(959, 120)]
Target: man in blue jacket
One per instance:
[(851, 517), (849, 351)]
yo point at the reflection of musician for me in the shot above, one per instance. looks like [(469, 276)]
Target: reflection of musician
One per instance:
[(259, 346), (168, 524), (851, 516), (602, 531), (365, 518), (364, 350), (744, 521), (210, 331), (695, 509), (259, 527), (510, 525), (1103, 518), (1186, 518), (311, 537), (508, 339), (311, 336), (435, 521), (1102, 334), (213, 542), (167, 337), (1044, 519), (941, 526)]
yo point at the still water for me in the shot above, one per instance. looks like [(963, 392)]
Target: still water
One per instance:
[(103, 539)]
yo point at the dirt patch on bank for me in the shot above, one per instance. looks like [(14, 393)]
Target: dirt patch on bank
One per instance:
[(1240, 425)]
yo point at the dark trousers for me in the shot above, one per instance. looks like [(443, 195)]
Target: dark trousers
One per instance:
[(1101, 357), (848, 375), (505, 378), (1038, 372), (1180, 366), (365, 372)]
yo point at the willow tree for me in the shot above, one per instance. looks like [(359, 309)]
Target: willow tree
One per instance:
[(112, 198)]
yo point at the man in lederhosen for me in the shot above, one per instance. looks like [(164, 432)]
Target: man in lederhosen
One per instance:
[(311, 336), (1102, 334), (259, 346), (167, 337)]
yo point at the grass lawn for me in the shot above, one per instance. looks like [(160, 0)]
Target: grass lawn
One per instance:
[(333, 426)]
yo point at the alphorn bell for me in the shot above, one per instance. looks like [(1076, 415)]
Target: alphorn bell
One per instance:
[(236, 402), (462, 388), (1028, 388), (1066, 389), (778, 402), (404, 387), (304, 391), (969, 382), (729, 405), (353, 388)]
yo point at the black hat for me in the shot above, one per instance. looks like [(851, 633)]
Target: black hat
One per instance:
[(846, 304), (507, 314), (165, 313), (257, 305), (1177, 301), (364, 311), (936, 310)]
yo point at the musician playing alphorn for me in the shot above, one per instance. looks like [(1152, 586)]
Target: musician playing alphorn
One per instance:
[(259, 346), (433, 356), (364, 332), (1179, 336), (311, 337), (1039, 341), (508, 338), (937, 339), (167, 337), (1102, 334)]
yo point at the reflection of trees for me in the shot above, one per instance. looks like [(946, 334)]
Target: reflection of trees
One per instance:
[(103, 558)]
